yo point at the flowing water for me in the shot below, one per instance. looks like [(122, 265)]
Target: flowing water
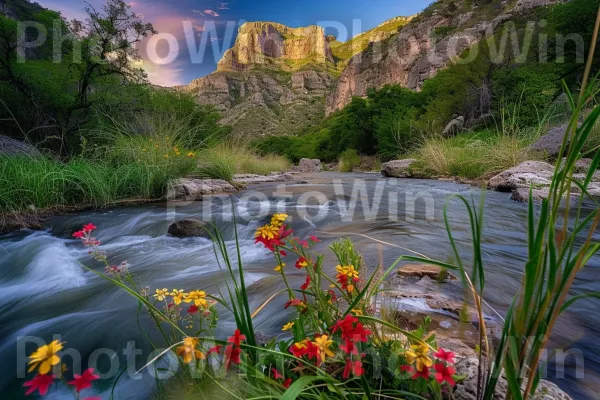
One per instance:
[(44, 290)]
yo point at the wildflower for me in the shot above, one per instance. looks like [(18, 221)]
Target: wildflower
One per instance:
[(355, 367), (346, 275), (295, 303), (45, 357), (323, 343), (444, 373), (237, 338), (422, 374), (288, 326), (177, 296), (79, 234), (279, 268), (286, 384), (215, 349), (165, 155), (278, 219), (419, 353), (306, 283), (407, 368), (198, 297), (444, 355), (161, 294), (301, 263), (348, 347), (345, 325), (268, 232), (276, 374), (144, 150), (177, 153), (191, 155), (299, 349), (89, 227), (232, 355), (41, 383), (314, 239), (189, 351), (84, 380), (193, 309), (357, 311)]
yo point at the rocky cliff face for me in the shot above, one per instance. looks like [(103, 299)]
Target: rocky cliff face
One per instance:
[(266, 44), (418, 51)]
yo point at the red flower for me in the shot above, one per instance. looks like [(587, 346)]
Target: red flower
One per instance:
[(302, 263), (360, 333), (353, 367), (232, 355), (444, 355), (298, 349), (79, 234), (286, 384), (215, 349), (295, 303), (41, 383), (84, 380), (345, 325), (193, 309), (306, 283), (444, 373), (89, 227), (312, 351), (422, 374), (237, 338), (407, 368), (276, 374), (348, 347), (314, 239)]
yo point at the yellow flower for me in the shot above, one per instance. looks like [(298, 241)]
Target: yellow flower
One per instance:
[(189, 351), (278, 219), (175, 149), (166, 156), (161, 294), (267, 232), (288, 326), (45, 357), (156, 145), (323, 343), (357, 311), (167, 138), (177, 153), (419, 353), (280, 267), (198, 297), (191, 154), (178, 296), (347, 270), (350, 288)]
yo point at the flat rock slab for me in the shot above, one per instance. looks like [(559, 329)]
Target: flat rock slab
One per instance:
[(247, 179), (194, 189), (422, 270), (398, 168)]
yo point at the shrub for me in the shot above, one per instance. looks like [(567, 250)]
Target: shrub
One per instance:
[(349, 160)]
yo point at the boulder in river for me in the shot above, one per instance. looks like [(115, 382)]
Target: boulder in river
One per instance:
[(194, 189), (188, 228), (536, 173), (398, 168), (422, 270)]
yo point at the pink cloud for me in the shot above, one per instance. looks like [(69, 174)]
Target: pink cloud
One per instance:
[(211, 13)]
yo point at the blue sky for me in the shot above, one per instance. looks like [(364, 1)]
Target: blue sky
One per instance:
[(213, 19)]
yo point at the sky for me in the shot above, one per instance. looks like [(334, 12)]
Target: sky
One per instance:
[(193, 34)]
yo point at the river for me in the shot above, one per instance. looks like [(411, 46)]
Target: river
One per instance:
[(44, 290)]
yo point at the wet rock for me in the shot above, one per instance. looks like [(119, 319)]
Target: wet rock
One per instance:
[(398, 168), (253, 178), (536, 173), (188, 228), (14, 147), (582, 165), (467, 390), (425, 270), (521, 195), (454, 126), (194, 189)]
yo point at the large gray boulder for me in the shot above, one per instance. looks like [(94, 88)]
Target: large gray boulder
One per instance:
[(188, 228), (551, 142), (14, 147), (308, 165), (398, 168), (195, 189), (537, 173)]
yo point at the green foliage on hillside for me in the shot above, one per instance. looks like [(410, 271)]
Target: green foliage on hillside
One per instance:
[(488, 80)]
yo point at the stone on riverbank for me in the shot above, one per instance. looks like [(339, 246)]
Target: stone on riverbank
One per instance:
[(308, 165), (188, 228), (536, 173), (551, 142), (194, 189), (398, 168), (247, 179)]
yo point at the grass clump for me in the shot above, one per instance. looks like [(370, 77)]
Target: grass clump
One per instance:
[(473, 156), (349, 160)]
